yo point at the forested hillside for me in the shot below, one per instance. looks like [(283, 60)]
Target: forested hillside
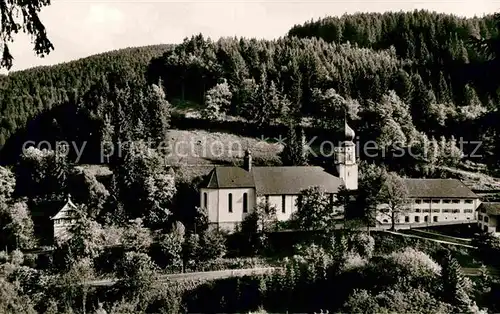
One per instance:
[(437, 44), (26, 94), (396, 74), (402, 78)]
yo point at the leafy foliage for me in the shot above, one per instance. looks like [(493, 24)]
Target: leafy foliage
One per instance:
[(23, 17), (393, 197), (261, 220), (135, 237), (17, 225), (171, 246), (142, 181), (41, 173), (7, 184), (217, 101), (137, 273), (314, 210)]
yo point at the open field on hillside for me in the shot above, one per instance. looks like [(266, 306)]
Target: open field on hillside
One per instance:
[(475, 180), (195, 152), (198, 148)]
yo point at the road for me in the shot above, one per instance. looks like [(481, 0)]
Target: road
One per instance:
[(429, 239), (208, 275)]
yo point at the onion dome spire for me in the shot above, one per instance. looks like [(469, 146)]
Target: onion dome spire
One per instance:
[(349, 134)]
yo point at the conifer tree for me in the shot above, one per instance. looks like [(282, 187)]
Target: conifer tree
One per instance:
[(443, 94), (159, 113), (295, 151), (421, 100), (454, 285)]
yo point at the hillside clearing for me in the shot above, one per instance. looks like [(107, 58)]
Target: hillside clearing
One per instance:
[(474, 180), (201, 148)]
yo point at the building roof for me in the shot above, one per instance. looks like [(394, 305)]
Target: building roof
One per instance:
[(438, 188), (274, 180), (67, 211), (231, 177), (349, 134), (490, 208)]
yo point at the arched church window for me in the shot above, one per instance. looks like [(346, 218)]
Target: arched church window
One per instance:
[(245, 202)]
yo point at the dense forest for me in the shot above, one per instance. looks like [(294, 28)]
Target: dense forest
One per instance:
[(28, 93), (402, 78)]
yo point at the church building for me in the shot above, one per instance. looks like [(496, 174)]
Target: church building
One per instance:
[(230, 193)]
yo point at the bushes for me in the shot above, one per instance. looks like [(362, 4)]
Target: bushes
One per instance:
[(232, 263), (170, 249), (393, 301), (363, 244), (407, 267), (138, 275), (211, 245), (4, 257), (326, 276)]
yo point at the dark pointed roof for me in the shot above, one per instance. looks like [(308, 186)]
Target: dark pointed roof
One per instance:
[(349, 134), (230, 177), (67, 211), (274, 180)]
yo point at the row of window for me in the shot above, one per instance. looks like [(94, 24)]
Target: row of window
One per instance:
[(230, 202), (245, 202), (283, 204), (483, 218), (446, 210), (67, 221), (426, 218), (445, 201)]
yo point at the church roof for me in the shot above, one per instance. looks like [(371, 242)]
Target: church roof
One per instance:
[(438, 188), (274, 180), (349, 134), (231, 177)]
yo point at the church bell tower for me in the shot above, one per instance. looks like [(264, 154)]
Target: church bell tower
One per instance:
[(345, 159)]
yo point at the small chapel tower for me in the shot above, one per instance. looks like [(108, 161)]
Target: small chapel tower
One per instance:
[(345, 159)]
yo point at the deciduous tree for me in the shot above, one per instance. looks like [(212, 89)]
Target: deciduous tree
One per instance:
[(255, 226), (7, 184), (393, 198), (17, 225), (136, 238), (314, 209), (217, 101)]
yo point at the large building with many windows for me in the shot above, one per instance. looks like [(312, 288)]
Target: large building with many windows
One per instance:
[(437, 200)]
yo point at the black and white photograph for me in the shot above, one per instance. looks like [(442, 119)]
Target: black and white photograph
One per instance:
[(249, 156)]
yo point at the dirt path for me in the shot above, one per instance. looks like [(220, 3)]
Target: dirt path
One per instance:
[(208, 275), (430, 239)]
